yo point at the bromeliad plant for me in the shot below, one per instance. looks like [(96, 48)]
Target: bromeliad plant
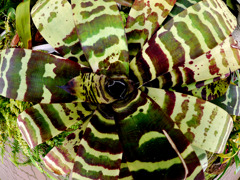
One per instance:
[(111, 83)]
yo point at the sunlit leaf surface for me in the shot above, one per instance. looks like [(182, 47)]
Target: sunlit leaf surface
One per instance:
[(144, 19), (200, 121), (101, 33), (187, 44), (47, 15)]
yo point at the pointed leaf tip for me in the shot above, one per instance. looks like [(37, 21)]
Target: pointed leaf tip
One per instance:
[(68, 87)]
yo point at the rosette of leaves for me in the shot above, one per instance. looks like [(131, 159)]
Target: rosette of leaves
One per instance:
[(126, 85)]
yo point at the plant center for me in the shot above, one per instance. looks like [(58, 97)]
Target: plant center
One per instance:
[(116, 88)]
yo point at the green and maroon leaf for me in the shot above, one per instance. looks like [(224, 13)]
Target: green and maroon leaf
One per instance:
[(42, 122), (125, 173), (202, 156), (154, 146), (94, 88), (180, 5), (23, 23), (145, 18), (100, 152), (100, 30), (197, 38), (230, 101), (204, 124), (54, 21), (36, 76), (60, 159), (208, 89)]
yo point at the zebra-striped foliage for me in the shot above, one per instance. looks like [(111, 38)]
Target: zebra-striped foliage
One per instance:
[(230, 100), (64, 40), (197, 118), (101, 33), (35, 76), (60, 159), (100, 152), (180, 51), (48, 120), (110, 77), (144, 20), (143, 124)]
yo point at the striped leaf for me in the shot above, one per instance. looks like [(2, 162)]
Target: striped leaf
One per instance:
[(94, 88), (211, 91), (125, 173), (208, 89), (202, 156), (174, 80), (44, 121), (100, 152), (48, 15), (225, 78), (226, 62), (180, 5), (230, 101), (60, 160), (153, 145), (35, 76), (192, 48), (205, 125), (188, 44), (144, 19), (100, 30)]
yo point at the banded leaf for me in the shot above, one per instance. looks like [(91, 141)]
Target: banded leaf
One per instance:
[(60, 160), (44, 121), (180, 6), (144, 19), (98, 89), (208, 89), (230, 101), (100, 152), (225, 77), (195, 39), (204, 124), (211, 91), (153, 145), (202, 156), (174, 79), (125, 173), (100, 30), (48, 15), (220, 61), (35, 76)]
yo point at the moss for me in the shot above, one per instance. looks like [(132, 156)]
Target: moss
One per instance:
[(9, 131)]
